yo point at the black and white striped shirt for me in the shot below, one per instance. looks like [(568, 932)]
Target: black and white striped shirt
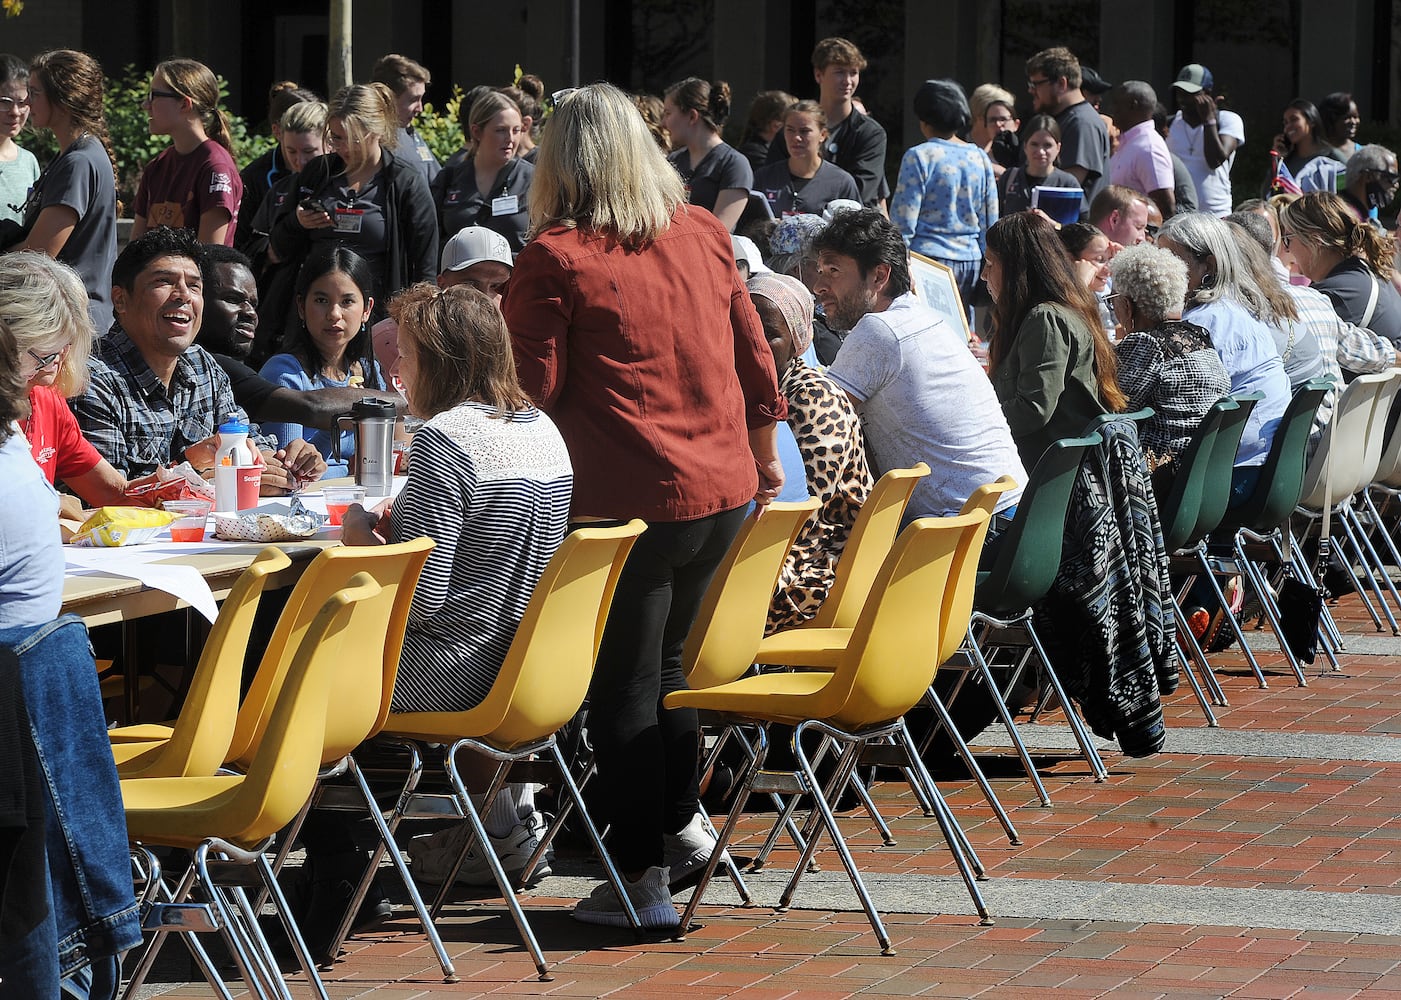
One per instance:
[(493, 493)]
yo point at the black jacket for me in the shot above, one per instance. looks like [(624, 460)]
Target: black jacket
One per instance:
[(410, 221)]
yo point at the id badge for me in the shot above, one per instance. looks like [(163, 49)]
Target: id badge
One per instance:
[(349, 220), (505, 205)]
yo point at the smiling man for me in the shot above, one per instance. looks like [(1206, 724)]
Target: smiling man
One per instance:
[(920, 392), (154, 397)]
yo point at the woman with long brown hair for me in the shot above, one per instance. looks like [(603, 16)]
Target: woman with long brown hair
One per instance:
[(71, 214), (194, 184), (1050, 361)]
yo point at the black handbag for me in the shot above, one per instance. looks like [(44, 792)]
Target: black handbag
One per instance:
[(1299, 608)]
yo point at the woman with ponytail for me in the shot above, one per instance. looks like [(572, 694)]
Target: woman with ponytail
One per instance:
[(363, 195), (1346, 259), (71, 213), (194, 184), (717, 175)]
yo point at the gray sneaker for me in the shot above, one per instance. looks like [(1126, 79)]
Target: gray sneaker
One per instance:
[(432, 856), (651, 898), (687, 851)]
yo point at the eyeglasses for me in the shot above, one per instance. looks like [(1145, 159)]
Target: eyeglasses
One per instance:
[(1004, 120), (1285, 239), (154, 93), (1152, 232), (340, 140), (11, 104), (1031, 84), (42, 361), (1112, 298)]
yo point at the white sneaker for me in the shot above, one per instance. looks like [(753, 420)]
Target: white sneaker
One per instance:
[(432, 857), (687, 851), (651, 898)]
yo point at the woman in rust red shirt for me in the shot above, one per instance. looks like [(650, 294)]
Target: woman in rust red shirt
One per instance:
[(633, 331)]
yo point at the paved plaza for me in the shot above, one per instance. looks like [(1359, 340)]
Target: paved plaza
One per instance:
[(1261, 859)]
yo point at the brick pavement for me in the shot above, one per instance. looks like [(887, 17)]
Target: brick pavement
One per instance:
[(1223, 870)]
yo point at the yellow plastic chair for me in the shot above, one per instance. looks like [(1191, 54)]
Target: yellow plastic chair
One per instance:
[(882, 669), (199, 740), (542, 683), (227, 820), (869, 543), (730, 622), (794, 646)]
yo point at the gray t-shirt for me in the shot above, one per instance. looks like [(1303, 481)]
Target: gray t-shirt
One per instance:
[(924, 398), (1084, 142), (80, 178), (17, 176)]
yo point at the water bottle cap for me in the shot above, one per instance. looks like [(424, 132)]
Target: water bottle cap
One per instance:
[(233, 427)]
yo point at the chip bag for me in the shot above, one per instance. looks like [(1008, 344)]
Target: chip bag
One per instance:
[(109, 527), (179, 482)]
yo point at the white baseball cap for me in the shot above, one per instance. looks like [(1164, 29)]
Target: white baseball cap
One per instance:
[(473, 245), (746, 250)]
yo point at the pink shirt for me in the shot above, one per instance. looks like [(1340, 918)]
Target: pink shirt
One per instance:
[(1142, 161)]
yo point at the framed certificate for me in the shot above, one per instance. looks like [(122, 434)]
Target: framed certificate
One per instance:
[(935, 286)]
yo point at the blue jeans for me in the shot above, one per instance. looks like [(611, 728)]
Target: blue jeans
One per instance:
[(94, 907)]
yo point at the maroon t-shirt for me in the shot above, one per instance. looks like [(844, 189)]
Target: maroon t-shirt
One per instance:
[(177, 188)]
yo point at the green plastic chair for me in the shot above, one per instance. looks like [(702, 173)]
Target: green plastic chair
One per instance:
[(1179, 514), (1257, 524), (1022, 571)]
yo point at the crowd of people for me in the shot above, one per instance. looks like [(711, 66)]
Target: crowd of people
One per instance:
[(601, 310)]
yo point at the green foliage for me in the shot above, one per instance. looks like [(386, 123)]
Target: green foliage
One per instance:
[(132, 141), (441, 131)]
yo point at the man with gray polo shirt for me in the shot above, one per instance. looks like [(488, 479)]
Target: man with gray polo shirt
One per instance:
[(920, 392)]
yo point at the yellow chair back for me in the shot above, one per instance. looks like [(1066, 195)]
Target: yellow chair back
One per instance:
[(958, 600), (546, 672), (365, 676), (730, 623), (893, 653), (871, 537), (282, 772), (199, 740)]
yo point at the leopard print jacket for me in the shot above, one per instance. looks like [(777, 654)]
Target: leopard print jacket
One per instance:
[(828, 433)]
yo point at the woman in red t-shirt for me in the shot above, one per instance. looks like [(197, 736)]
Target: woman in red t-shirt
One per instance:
[(194, 184), (46, 309)]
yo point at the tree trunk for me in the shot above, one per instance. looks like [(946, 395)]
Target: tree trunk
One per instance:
[(338, 47)]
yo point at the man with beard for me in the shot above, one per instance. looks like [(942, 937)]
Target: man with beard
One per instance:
[(230, 322), (921, 393)]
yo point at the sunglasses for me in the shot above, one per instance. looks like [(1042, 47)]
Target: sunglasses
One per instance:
[(153, 93), (42, 361)]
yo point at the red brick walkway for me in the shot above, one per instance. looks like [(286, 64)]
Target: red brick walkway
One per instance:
[(1305, 826)]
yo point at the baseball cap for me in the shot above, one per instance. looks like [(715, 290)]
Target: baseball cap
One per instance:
[(748, 251), (1091, 82), (1194, 78), (473, 245)]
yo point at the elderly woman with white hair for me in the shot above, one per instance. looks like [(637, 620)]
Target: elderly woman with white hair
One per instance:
[(828, 433), (1223, 297), (1164, 361)]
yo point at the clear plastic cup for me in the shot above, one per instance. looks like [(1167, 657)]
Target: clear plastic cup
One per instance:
[(194, 515), (339, 498)]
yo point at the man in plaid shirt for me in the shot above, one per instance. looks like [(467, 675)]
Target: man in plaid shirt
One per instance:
[(153, 397)]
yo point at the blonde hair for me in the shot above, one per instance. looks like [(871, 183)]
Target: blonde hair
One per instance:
[(304, 116), (196, 81), (367, 109), (44, 303), (600, 171), (484, 109), (985, 96), (1324, 218)]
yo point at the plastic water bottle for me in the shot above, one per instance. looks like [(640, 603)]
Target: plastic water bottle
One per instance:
[(236, 469)]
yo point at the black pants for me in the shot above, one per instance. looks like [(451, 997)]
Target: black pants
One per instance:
[(648, 756)]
